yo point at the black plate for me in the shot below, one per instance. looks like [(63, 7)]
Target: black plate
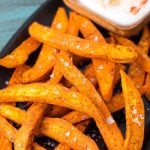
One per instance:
[(44, 15)]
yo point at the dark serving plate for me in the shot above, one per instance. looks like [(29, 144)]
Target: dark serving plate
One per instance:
[(44, 15)]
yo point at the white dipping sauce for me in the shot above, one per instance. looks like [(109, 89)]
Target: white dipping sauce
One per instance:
[(124, 13)]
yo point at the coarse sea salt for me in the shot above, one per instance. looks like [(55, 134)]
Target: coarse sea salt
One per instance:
[(110, 120), (67, 133)]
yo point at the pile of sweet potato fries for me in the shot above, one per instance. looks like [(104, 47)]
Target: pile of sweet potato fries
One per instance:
[(63, 98)]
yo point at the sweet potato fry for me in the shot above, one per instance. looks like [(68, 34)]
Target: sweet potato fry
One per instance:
[(66, 133), (46, 58), (30, 123), (5, 143), (7, 130), (81, 46), (147, 82), (57, 111), (117, 72), (81, 126), (136, 69), (12, 113), (72, 30), (104, 70), (76, 117), (134, 109), (144, 43), (137, 74), (116, 103), (90, 74), (143, 60), (72, 74), (105, 73), (60, 21), (20, 55), (17, 78), (59, 95)]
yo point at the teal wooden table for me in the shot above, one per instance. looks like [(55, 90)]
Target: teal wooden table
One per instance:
[(13, 13)]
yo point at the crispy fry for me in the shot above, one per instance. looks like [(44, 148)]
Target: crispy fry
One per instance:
[(90, 74), (20, 55), (136, 69), (76, 117), (46, 58), (137, 74), (72, 74), (17, 78), (82, 47), (57, 111), (147, 82), (144, 41), (7, 130), (64, 132), (12, 113), (143, 60), (29, 124), (105, 75), (104, 70), (5, 143), (59, 95), (81, 126), (73, 30), (56, 75), (117, 72), (116, 103), (134, 109), (60, 21)]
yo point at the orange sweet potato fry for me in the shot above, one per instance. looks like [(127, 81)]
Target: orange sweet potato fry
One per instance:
[(137, 74), (17, 76), (73, 30), (57, 111), (76, 117), (105, 73), (104, 70), (143, 59), (9, 132), (20, 55), (12, 113), (83, 85), (59, 95), (81, 46), (90, 74), (117, 72), (66, 133), (134, 109), (116, 103), (81, 126), (24, 136), (147, 83), (46, 58), (144, 43), (136, 69), (5, 143)]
